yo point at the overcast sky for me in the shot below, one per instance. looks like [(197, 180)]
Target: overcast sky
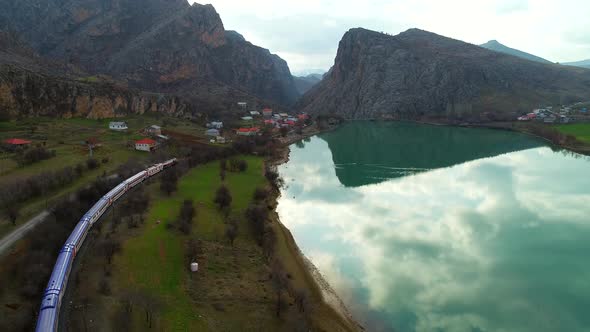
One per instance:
[(306, 32)]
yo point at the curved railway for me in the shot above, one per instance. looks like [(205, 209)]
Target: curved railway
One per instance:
[(52, 297)]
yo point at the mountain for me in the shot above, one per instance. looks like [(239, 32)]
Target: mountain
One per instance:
[(305, 83), (583, 63), (419, 74), (494, 45), (165, 46)]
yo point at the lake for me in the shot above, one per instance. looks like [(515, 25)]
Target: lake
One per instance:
[(428, 228)]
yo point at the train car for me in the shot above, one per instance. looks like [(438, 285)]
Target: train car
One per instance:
[(79, 234), (51, 302), (136, 179), (119, 191)]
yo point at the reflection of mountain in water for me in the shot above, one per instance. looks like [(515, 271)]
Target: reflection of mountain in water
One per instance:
[(369, 153)]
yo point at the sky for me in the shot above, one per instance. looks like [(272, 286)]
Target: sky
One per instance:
[(306, 32)]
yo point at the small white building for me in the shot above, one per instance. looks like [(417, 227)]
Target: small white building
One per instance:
[(220, 139), (146, 144), (154, 130), (212, 132), (215, 125), (247, 118), (255, 113), (119, 126)]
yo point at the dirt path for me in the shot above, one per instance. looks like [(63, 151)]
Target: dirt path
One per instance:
[(19, 233)]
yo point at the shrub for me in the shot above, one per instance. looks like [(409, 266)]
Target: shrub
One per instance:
[(92, 163)]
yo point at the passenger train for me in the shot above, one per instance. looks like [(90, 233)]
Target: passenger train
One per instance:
[(52, 297)]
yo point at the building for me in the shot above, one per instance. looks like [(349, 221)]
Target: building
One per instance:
[(119, 126), (216, 125), (220, 139), (550, 119), (303, 117), (254, 113), (247, 118), (267, 112), (212, 132), (146, 144), (284, 115), (154, 130), (16, 142), (248, 131)]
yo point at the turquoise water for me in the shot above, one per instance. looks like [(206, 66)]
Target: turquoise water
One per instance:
[(424, 228)]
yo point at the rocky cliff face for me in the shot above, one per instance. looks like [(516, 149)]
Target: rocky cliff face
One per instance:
[(420, 74), (156, 45)]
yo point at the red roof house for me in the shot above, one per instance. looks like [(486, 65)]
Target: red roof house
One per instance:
[(17, 141), (248, 131), (145, 144)]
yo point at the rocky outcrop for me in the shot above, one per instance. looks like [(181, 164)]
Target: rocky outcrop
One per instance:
[(24, 93), (156, 45), (494, 45), (419, 74)]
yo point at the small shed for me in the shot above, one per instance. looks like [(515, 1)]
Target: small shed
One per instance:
[(212, 132), (118, 126), (154, 130), (146, 144)]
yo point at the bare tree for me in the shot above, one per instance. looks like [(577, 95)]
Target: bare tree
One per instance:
[(279, 283), (231, 231), (223, 198)]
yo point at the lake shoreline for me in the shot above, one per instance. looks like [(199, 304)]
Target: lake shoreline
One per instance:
[(330, 308)]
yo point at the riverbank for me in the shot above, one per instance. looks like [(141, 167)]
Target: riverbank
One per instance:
[(329, 312)]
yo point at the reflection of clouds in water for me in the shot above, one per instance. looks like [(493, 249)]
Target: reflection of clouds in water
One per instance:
[(479, 245)]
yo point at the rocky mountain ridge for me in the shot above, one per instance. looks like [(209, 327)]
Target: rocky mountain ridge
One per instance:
[(418, 74), (167, 46), (494, 45)]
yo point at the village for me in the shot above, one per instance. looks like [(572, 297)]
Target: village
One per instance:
[(577, 112)]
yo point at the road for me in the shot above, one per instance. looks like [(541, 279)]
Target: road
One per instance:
[(17, 234)]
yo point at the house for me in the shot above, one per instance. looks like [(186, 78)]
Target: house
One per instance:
[(267, 112), (146, 144), (215, 125), (269, 122), (284, 115), (247, 118), (119, 126), (248, 131), (16, 142), (255, 113), (153, 130), (550, 119), (212, 132), (220, 139), (303, 117)]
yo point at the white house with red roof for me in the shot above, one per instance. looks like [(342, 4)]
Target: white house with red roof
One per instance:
[(146, 144)]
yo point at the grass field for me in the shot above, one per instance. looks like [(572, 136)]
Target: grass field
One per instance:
[(580, 130), (153, 262), (66, 137)]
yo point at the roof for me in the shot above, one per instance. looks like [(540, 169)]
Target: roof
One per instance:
[(17, 141), (118, 123), (146, 141), (155, 127), (247, 130), (266, 110)]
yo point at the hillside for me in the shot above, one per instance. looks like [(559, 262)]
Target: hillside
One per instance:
[(494, 45), (155, 45), (419, 74)]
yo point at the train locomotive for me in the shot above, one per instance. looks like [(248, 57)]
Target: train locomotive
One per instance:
[(52, 297)]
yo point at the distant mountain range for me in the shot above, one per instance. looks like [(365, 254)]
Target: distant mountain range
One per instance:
[(305, 83), (494, 45), (418, 74), (583, 64)]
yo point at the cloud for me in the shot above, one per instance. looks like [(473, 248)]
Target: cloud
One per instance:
[(306, 33)]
